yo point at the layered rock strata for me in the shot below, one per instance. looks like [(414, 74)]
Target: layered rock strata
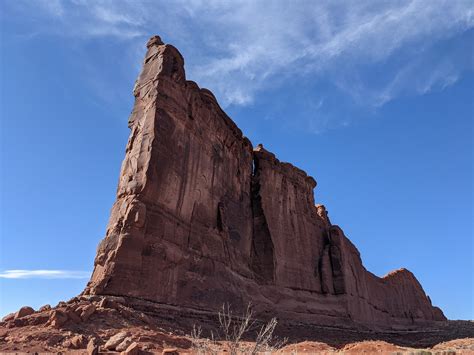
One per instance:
[(202, 218)]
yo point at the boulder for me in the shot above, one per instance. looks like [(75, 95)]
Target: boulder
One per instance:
[(133, 349), (44, 308), (87, 311), (72, 315), (124, 344), (115, 340), (78, 341), (23, 312), (92, 347), (8, 317), (58, 318), (113, 303)]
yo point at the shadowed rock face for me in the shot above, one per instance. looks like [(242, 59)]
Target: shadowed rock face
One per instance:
[(202, 218)]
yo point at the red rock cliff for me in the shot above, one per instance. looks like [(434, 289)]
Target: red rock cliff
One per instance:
[(202, 218)]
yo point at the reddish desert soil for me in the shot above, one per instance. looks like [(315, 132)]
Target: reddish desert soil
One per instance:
[(159, 329)]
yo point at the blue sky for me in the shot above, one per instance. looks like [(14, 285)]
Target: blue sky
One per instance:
[(373, 99)]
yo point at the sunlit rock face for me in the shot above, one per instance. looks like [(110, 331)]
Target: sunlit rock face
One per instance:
[(202, 218)]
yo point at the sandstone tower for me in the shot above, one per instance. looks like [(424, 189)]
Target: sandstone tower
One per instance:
[(202, 218)]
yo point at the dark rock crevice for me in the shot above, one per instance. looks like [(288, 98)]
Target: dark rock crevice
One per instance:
[(262, 252)]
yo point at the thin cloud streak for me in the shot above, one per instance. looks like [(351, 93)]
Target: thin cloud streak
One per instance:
[(327, 45), (44, 274)]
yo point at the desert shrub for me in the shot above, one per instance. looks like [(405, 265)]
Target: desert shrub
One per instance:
[(232, 329), (201, 345)]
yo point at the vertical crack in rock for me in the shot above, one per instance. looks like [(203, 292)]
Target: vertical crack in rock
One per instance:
[(262, 256), (324, 266), (202, 218), (335, 257)]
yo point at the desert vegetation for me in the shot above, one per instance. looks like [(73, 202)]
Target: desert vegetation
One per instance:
[(234, 334)]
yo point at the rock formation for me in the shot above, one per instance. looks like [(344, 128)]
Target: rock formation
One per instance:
[(202, 218)]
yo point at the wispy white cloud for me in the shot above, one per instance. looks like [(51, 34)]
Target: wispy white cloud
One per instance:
[(241, 48), (54, 7), (327, 40), (44, 274)]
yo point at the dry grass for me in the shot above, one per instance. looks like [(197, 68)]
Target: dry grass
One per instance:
[(232, 329)]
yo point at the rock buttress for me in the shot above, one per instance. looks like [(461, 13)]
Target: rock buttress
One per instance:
[(182, 222), (287, 203), (202, 218), (396, 299)]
